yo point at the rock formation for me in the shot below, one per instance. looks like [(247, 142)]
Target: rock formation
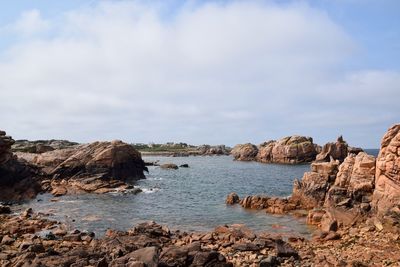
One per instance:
[(292, 149), (107, 160), (386, 197), (288, 150), (354, 183), (16, 178), (99, 167), (244, 152), (310, 191), (333, 151)]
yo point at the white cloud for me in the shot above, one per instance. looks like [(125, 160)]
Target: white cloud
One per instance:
[(30, 23), (209, 73)]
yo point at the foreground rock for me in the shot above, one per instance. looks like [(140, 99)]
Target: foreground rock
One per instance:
[(98, 167), (17, 180), (31, 240), (386, 197)]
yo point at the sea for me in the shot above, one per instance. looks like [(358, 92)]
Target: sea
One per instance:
[(189, 199)]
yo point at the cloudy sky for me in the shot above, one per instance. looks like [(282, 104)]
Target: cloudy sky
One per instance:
[(200, 71)]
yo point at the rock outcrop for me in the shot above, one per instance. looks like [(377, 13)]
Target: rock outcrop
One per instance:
[(386, 197), (107, 160), (310, 191), (16, 178), (354, 183), (99, 167), (244, 152), (333, 151), (288, 150), (292, 149)]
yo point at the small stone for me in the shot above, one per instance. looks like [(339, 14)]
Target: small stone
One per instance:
[(271, 261), (27, 213), (5, 209)]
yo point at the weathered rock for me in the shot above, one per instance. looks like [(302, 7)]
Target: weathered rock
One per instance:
[(354, 182), (329, 223), (169, 166), (99, 167), (311, 190), (335, 151), (292, 149), (232, 199), (17, 180), (244, 152), (386, 196)]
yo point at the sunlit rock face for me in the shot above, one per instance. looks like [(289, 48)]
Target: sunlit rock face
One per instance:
[(386, 197)]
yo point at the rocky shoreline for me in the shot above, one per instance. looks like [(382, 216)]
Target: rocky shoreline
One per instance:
[(353, 199), (30, 239)]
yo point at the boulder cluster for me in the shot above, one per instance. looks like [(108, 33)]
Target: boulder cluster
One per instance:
[(290, 150), (293, 150)]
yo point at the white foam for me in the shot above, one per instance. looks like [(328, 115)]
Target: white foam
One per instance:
[(150, 190)]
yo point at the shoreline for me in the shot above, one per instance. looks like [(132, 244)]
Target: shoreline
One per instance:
[(35, 240)]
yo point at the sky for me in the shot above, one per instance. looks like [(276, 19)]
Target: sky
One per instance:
[(215, 72)]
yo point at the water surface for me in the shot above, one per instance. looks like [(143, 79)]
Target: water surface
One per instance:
[(191, 198)]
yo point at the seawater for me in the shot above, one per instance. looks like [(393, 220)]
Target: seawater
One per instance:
[(190, 199)]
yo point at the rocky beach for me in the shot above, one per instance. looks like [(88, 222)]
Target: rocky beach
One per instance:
[(351, 198)]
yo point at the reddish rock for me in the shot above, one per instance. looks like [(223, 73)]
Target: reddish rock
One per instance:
[(244, 152), (386, 197), (335, 151), (292, 149), (311, 190), (354, 182), (232, 199)]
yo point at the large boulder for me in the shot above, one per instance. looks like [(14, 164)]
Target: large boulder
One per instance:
[(311, 190), (292, 149), (107, 160), (16, 178), (335, 151), (244, 152), (386, 197)]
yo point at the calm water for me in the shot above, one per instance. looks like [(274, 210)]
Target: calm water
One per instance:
[(188, 198)]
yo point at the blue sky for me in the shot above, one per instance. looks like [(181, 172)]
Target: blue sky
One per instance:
[(200, 71)]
